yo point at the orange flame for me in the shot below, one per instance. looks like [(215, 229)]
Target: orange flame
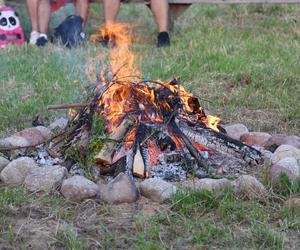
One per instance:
[(211, 122), (125, 95), (122, 60)]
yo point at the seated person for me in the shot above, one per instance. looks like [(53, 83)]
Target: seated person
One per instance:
[(160, 12), (40, 11)]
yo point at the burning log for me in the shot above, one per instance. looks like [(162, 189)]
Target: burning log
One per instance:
[(222, 143), (105, 156), (138, 165)]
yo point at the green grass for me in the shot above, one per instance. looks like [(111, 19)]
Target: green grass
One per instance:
[(242, 61), (12, 196), (68, 239)]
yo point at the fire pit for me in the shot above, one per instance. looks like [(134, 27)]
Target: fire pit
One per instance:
[(154, 128)]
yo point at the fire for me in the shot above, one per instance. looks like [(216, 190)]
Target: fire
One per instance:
[(122, 60), (126, 94), (212, 122)]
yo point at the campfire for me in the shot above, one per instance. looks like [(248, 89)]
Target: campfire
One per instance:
[(154, 128)]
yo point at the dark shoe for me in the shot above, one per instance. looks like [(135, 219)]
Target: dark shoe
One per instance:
[(163, 40), (108, 41), (41, 41)]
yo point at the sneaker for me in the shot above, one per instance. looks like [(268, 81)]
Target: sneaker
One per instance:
[(163, 39), (34, 35), (42, 40)]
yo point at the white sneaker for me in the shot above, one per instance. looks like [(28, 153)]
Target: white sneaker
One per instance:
[(34, 35)]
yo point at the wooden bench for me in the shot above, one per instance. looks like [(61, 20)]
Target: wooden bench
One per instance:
[(177, 7)]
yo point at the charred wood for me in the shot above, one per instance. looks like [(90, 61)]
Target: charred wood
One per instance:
[(222, 143)]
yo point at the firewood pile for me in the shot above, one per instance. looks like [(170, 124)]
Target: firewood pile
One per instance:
[(154, 129)]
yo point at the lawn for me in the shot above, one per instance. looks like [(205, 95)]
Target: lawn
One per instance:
[(242, 61)]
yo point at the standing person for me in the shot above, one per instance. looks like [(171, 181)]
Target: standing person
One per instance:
[(40, 12), (159, 9), (2, 3)]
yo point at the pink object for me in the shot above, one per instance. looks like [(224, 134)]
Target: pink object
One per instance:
[(10, 27)]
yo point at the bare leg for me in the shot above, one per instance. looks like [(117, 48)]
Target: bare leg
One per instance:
[(82, 8), (33, 13), (160, 11), (44, 15), (111, 10)]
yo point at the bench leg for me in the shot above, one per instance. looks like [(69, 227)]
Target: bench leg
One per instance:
[(175, 10)]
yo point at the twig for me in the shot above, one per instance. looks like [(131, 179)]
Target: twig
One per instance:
[(68, 106)]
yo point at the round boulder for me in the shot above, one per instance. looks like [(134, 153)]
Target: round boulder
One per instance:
[(3, 163), (78, 188), (288, 166), (45, 178), (236, 130), (16, 171), (255, 138), (121, 189), (284, 151), (249, 187), (217, 186), (279, 139), (157, 189)]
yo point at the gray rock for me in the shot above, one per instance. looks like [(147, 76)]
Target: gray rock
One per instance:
[(14, 141), (293, 203), (59, 124), (255, 138), (266, 154), (216, 186), (16, 171), (32, 135), (78, 188), (157, 189), (279, 139), (236, 130), (45, 132), (284, 151), (287, 165), (45, 178), (121, 189), (27, 137), (3, 163), (249, 187)]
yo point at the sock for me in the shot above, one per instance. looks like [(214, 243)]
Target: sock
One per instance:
[(34, 35)]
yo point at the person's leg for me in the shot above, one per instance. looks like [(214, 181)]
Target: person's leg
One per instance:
[(33, 13), (160, 10), (44, 13), (111, 10), (82, 8)]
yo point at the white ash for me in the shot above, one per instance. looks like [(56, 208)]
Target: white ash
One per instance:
[(76, 169), (168, 172), (267, 155), (43, 158)]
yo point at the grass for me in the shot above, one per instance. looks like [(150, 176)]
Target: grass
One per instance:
[(241, 60), (68, 239)]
